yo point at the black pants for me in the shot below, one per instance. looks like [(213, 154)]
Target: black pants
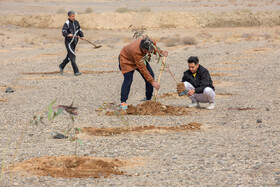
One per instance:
[(71, 56), (128, 78)]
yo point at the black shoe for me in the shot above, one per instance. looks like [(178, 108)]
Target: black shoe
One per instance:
[(145, 99), (60, 70), (78, 73)]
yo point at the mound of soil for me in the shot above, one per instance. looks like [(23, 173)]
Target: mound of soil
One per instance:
[(139, 129), (155, 108), (71, 166), (151, 108)]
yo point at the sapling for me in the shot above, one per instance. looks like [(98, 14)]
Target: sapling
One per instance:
[(50, 112)]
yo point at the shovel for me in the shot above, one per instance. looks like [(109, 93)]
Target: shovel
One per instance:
[(95, 46)]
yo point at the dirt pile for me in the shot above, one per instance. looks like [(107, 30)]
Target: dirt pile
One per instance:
[(71, 166), (140, 129), (114, 21), (155, 109)]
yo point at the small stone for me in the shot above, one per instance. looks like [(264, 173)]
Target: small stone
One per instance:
[(267, 109), (9, 90), (57, 135), (259, 121)]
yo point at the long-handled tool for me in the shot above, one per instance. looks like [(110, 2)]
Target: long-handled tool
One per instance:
[(160, 73), (95, 46)]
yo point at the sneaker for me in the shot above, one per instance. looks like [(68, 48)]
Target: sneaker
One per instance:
[(78, 73), (123, 105), (193, 104), (210, 106), (60, 70)]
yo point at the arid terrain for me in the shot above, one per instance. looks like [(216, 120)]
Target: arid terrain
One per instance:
[(155, 144)]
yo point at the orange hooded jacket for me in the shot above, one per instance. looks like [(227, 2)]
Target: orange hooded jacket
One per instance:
[(131, 59)]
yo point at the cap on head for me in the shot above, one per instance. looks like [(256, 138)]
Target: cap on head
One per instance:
[(71, 12), (147, 44), (193, 59)]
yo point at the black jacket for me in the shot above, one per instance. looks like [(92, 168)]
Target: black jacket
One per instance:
[(201, 81), (72, 27)]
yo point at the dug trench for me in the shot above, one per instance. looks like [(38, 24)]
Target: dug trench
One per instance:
[(74, 166), (93, 131), (57, 72)]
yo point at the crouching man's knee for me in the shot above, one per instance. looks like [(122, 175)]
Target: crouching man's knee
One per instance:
[(210, 94), (208, 91), (188, 86)]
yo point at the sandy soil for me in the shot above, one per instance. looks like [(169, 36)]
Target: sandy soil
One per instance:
[(237, 143)]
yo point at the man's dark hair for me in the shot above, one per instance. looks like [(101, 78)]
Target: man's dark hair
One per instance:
[(193, 59), (71, 12), (147, 44)]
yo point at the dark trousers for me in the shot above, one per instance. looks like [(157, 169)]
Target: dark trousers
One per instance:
[(128, 78), (71, 56)]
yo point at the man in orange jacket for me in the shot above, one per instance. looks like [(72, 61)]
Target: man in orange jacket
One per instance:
[(131, 59)]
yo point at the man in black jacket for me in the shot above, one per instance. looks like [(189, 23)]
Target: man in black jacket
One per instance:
[(71, 31), (198, 84)]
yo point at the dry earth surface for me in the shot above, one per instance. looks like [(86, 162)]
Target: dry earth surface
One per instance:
[(236, 144)]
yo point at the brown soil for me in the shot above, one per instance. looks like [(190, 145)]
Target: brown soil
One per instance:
[(152, 108), (181, 86), (3, 100), (241, 108), (71, 166), (139, 129)]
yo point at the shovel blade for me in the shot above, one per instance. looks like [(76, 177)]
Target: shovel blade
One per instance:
[(98, 46)]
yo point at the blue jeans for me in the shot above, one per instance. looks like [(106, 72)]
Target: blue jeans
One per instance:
[(128, 78)]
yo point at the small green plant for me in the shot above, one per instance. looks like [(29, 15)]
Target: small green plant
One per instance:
[(117, 110), (72, 131), (50, 113)]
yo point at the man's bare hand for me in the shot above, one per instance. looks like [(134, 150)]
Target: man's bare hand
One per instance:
[(70, 35), (191, 92), (164, 53), (82, 38), (180, 87), (155, 85)]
